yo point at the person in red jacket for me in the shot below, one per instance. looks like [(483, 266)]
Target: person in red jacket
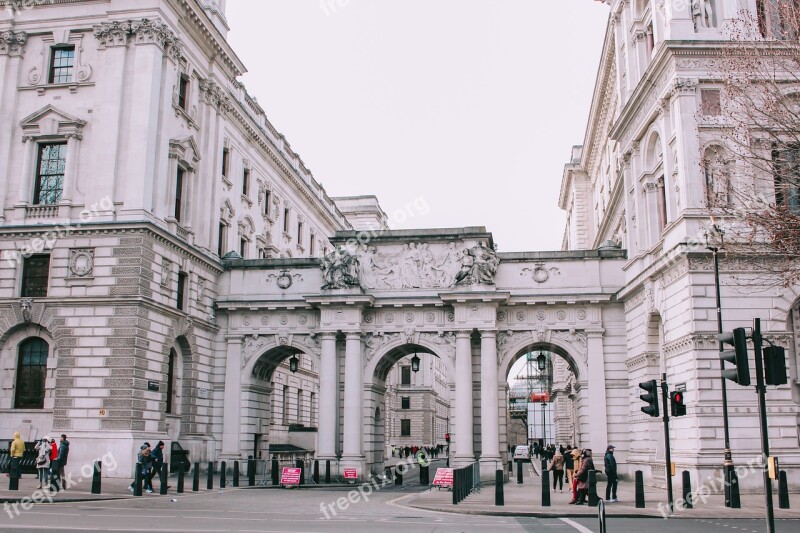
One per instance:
[(53, 456)]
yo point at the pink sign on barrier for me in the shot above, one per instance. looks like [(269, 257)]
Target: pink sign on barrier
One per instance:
[(443, 478), (290, 476), (350, 473)]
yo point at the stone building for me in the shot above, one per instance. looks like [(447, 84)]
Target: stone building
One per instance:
[(162, 251)]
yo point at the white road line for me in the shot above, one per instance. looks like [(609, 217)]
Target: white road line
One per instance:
[(576, 525)]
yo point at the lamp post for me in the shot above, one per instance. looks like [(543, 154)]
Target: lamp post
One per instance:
[(731, 483)]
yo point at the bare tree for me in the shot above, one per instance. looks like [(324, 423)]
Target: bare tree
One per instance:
[(753, 175)]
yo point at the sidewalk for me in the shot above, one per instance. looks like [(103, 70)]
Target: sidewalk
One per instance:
[(526, 500)]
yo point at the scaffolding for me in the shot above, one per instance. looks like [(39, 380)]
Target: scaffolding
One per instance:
[(531, 386)]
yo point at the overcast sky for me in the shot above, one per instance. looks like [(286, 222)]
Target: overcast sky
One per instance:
[(471, 106)]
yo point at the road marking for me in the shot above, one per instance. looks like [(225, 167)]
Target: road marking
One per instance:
[(576, 525)]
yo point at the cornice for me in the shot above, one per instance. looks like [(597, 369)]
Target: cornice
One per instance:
[(601, 99), (195, 18)]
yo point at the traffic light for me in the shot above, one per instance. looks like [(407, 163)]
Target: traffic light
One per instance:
[(676, 402), (775, 365), (650, 397), (447, 437), (737, 356)]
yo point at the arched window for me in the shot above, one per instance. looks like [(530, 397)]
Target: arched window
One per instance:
[(171, 381), (31, 374)]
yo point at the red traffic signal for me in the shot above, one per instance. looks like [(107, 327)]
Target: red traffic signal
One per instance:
[(447, 437), (676, 402)]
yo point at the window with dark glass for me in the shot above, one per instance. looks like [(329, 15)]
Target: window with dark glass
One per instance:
[(50, 168), (181, 293), (183, 91), (35, 276), (31, 374), (170, 379), (405, 375), (405, 402), (787, 178), (405, 427), (243, 248), (300, 233), (246, 181), (312, 241), (286, 220), (179, 194), (62, 62), (267, 202), (778, 19), (226, 159)]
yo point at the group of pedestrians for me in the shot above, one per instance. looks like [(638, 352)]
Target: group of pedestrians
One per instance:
[(150, 460), (577, 464), (411, 451), (51, 458)]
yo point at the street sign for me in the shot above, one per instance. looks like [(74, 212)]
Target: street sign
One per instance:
[(350, 473), (680, 387), (290, 476), (153, 385), (443, 478)]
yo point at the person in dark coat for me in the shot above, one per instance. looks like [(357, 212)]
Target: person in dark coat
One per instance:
[(157, 455), (583, 476), (63, 454), (611, 472)]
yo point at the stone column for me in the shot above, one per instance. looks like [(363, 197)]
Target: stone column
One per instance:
[(463, 424), (70, 172), (490, 418), (26, 185), (352, 454), (232, 408), (328, 401), (598, 422)]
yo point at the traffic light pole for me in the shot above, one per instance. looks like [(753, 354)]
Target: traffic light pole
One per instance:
[(664, 394), (761, 388), (731, 486)]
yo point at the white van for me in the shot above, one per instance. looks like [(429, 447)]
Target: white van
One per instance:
[(522, 453)]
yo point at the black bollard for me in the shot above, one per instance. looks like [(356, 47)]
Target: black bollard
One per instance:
[(222, 474), (398, 477), (456, 485), (316, 472), (210, 476), (137, 480), (424, 476), (327, 470), (275, 474), (519, 472), (181, 475), (593, 499), (236, 473), (498, 488), (387, 473), (639, 489), (510, 468), (783, 491), (196, 478), (96, 477), (53, 477), (736, 502), (686, 490), (299, 464), (546, 488), (163, 478), (251, 473)]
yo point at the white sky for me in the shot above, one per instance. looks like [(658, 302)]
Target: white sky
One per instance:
[(471, 105)]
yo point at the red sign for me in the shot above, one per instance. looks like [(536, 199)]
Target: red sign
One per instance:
[(537, 397), (443, 477), (290, 476), (350, 473)]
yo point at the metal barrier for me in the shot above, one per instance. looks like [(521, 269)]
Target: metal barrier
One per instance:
[(261, 471), (465, 481)]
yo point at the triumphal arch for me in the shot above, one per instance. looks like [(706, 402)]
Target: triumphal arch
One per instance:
[(380, 296)]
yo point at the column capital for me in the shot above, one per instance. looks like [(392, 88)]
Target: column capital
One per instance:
[(234, 339), (488, 332), (326, 335), (353, 335), (461, 333), (594, 333)]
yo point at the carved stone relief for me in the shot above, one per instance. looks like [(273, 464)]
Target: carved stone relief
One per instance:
[(540, 273)]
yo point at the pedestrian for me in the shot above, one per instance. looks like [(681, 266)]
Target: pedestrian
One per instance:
[(53, 458), (157, 456), (145, 461), (43, 461), (611, 471), (576, 459), (16, 452), (569, 466), (583, 476), (557, 467), (63, 454)]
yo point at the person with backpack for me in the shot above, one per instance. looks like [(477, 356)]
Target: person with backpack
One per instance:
[(557, 466), (43, 461)]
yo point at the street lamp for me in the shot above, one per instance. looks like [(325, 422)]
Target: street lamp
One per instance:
[(293, 363), (415, 363), (541, 361), (731, 487)]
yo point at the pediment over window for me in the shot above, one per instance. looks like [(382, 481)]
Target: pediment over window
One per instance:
[(51, 122), (185, 149)]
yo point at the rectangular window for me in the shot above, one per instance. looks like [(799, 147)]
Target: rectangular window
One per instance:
[(35, 276), (223, 228), (313, 414), (405, 402), (50, 168), (226, 159), (243, 248), (286, 220), (183, 91), (267, 202), (787, 178), (405, 427), (285, 406), (62, 61), (405, 375), (312, 241), (179, 193), (245, 181), (710, 104), (300, 233), (181, 295)]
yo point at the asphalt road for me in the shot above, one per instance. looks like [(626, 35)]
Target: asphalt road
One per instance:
[(318, 510)]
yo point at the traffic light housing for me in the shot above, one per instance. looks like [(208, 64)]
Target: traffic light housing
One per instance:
[(650, 397), (447, 437), (775, 365), (676, 402), (737, 356)]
